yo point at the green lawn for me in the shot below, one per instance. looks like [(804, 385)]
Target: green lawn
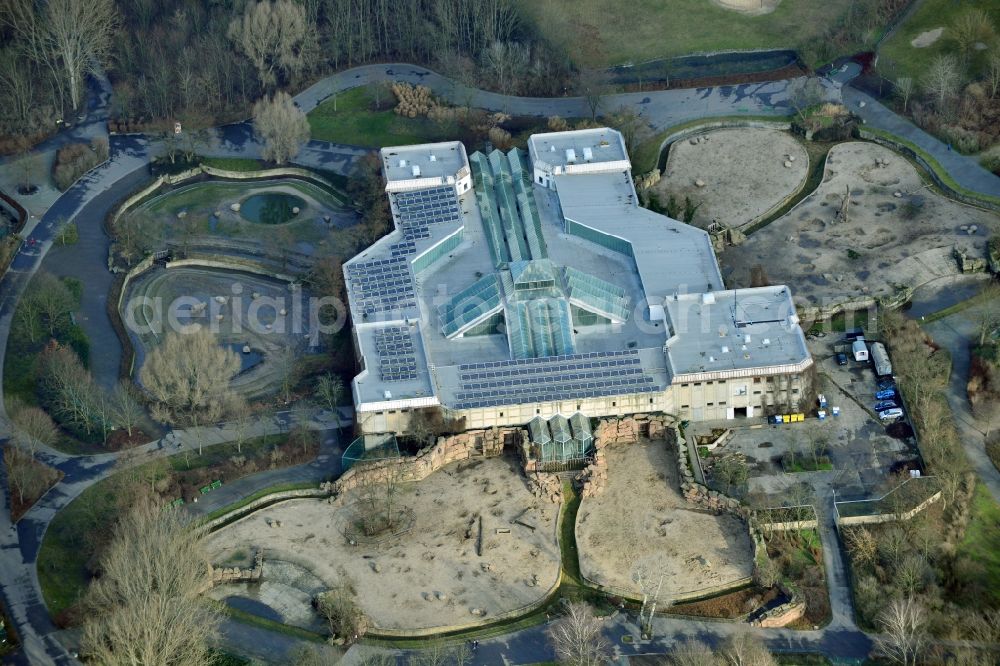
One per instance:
[(234, 163), (898, 57), (599, 33), (982, 540), (355, 122)]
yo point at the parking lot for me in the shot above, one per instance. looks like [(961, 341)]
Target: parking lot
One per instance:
[(853, 450)]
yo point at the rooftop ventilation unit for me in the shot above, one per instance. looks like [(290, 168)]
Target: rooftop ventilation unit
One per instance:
[(570, 155), (416, 171), (588, 153), (708, 299), (725, 350), (746, 339), (766, 341), (434, 158), (722, 331), (402, 164), (388, 395)]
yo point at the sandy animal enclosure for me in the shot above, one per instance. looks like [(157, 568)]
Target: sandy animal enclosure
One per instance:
[(641, 522), (897, 232), (742, 170), (430, 576)]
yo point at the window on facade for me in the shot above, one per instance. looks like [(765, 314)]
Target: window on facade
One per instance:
[(614, 404), (697, 383), (685, 385), (756, 380), (685, 406), (723, 403), (710, 404), (740, 390), (756, 392), (501, 413)]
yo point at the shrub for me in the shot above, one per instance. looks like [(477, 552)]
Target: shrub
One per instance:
[(75, 159)]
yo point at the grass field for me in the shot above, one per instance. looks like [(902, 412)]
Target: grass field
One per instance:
[(982, 540), (598, 33), (900, 58), (355, 122)]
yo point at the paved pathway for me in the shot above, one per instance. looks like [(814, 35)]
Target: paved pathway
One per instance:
[(964, 169), (956, 333)]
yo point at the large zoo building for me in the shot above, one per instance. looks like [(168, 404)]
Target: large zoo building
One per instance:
[(532, 287)]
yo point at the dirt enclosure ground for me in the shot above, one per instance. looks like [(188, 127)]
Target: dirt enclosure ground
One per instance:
[(886, 240), (642, 523), (431, 576), (742, 170)]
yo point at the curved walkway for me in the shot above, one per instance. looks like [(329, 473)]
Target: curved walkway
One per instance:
[(97, 191)]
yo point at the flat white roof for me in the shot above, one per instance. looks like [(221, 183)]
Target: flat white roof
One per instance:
[(428, 160), (559, 149), (723, 332)]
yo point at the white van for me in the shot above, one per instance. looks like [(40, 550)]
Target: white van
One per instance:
[(891, 414)]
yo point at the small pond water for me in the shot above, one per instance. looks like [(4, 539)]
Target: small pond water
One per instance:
[(270, 207), (247, 361)]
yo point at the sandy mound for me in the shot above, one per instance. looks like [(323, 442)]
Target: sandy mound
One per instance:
[(925, 39)]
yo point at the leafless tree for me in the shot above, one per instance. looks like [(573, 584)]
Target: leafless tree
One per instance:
[(320, 655), (51, 300), (188, 376), (126, 410), (282, 127), (71, 37), (273, 35), (862, 545), (242, 420), (28, 478), (631, 124), (693, 653), (593, 85), (577, 637), (942, 80), (988, 315), (33, 427), (145, 608), (439, 654), (904, 90), (804, 93), (505, 62), (746, 649), (329, 393), (904, 631), (345, 617)]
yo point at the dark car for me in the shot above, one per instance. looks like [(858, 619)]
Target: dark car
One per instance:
[(885, 404), (884, 384), (841, 358), (886, 394)]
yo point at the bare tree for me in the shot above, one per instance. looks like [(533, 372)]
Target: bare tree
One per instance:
[(904, 90), (126, 410), (321, 655), (273, 35), (694, 653), (803, 93), (145, 608), (505, 62), (33, 427), (345, 617), (904, 631), (52, 301), (942, 80), (439, 654), (988, 317), (188, 377), (28, 478), (632, 126), (593, 86), (330, 392), (242, 420), (746, 649), (282, 127), (577, 638), (71, 37)]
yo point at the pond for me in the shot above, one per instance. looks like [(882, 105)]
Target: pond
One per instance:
[(270, 207)]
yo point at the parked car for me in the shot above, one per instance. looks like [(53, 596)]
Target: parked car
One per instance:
[(891, 414), (841, 358), (884, 384), (885, 404), (886, 394)]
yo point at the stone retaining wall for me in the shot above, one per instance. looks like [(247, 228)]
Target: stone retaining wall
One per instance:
[(446, 450), (781, 616), (252, 574)]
